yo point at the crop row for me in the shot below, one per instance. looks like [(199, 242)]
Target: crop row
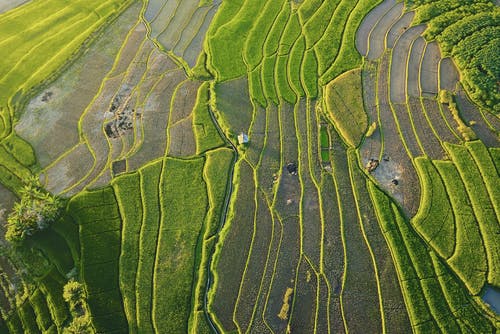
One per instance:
[(469, 258), (485, 213), (347, 111), (468, 24), (100, 239), (206, 134), (435, 219), (276, 33), (426, 283)]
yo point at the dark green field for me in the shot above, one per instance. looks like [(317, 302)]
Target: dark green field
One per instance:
[(249, 166)]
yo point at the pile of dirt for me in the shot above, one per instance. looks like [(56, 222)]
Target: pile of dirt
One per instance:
[(123, 116)]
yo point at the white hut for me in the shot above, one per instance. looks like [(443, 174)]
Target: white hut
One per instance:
[(242, 138)]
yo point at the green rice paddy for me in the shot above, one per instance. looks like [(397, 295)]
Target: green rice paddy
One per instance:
[(252, 166)]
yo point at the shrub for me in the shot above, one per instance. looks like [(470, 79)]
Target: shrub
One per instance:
[(36, 210), (74, 294)]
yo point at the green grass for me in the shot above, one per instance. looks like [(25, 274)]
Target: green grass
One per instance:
[(215, 175), (344, 103), (182, 216), (309, 74), (14, 324), (483, 208), (100, 238), (308, 8), (37, 39), (28, 318), (226, 38), (329, 45), (268, 79), (294, 65), (318, 22), (468, 31), (150, 177), (20, 150), (426, 300), (434, 219), (128, 193), (273, 38), (67, 229), (488, 171), (469, 257), (282, 84), (43, 319), (348, 57), (55, 248), (495, 157), (253, 50), (206, 134), (255, 87), (73, 23), (52, 286), (292, 31)]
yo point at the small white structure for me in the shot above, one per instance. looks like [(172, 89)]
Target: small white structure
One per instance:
[(242, 138)]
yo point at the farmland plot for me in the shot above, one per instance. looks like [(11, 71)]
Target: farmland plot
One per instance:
[(250, 167)]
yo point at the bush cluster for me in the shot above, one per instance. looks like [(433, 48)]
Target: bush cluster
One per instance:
[(34, 212), (468, 31)]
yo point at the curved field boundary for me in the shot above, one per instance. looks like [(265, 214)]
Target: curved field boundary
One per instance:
[(131, 210), (196, 45), (164, 16), (429, 84), (348, 58), (367, 25), (486, 167), (355, 269), (415, 301), (329, 45), (177, 244), (483, 208), (253, 49), (398, 28), (147, 244), (352, 162), (6, 6), (414, 67), (399, 63), (441, 299), (469, 258), (435, 219), (376, 41)]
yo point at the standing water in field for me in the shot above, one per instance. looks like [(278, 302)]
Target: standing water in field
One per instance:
[(491, 297)]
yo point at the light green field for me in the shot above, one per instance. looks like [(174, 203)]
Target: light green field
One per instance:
[(355, 206)]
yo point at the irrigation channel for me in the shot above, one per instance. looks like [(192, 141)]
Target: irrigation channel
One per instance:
[(223, 217)]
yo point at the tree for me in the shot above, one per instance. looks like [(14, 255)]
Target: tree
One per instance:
[(79, 325), (34, 212), (73, 293)]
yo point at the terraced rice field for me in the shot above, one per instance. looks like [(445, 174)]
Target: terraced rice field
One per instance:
[(247, 167)]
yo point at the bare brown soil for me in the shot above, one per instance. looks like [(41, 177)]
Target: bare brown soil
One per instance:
[(399, 63), (257, 265), (469, 113), (232, 260), (414, 61), (69, 169), (55, 112), (377, 36), (368, 23), (429, 70), (448, 74), (182, 140), (398, 28)]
